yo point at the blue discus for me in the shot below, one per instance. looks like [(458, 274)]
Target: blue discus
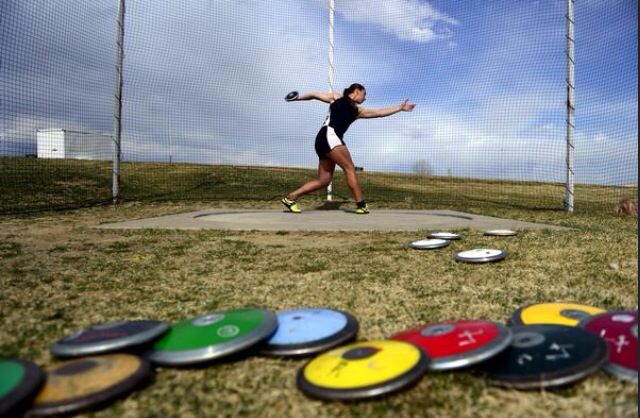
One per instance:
[(307, 331)]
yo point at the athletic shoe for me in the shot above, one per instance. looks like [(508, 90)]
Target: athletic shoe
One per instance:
[(363, 210), (291, 205)]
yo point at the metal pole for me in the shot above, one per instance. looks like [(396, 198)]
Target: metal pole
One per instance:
[(569, 192), (118, 98), (332, 72)]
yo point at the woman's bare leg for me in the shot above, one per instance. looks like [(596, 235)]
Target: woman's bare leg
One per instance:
[(326, 168), (340, 155)]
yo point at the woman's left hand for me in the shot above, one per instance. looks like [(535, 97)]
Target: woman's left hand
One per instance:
[(407, 106)]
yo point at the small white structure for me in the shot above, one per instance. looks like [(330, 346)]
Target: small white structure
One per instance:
[(62, 143)]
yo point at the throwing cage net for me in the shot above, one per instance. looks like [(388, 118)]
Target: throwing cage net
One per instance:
[(203, 115)]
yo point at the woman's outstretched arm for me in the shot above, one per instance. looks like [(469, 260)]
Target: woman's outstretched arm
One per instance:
[(405, 106), (327, 97)]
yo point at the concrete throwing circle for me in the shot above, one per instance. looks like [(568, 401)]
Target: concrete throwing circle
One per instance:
[(328, 220)]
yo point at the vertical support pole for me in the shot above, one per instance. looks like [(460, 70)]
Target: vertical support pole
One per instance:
[(332, 72), (569, 190), (118, 103)]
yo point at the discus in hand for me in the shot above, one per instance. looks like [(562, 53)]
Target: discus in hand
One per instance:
[(291, 96)]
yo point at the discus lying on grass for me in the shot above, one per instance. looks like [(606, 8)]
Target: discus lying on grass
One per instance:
[(480, 255), (363, 370), (428, 244), (307, 331)]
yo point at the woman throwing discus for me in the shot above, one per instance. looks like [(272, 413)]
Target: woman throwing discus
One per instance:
[(331, 149)]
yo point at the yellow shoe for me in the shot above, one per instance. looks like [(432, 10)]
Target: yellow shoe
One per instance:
[(363, 210), (291, 205)]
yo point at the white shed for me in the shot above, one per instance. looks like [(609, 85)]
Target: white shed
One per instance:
[(62, 143)]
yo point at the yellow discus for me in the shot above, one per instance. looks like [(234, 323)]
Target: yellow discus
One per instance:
[(363, 370), (558, 313)]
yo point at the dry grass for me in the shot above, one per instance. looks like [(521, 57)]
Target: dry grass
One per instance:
[(59, 275)]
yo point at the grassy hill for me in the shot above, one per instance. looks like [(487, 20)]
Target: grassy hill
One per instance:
[(36, 184)]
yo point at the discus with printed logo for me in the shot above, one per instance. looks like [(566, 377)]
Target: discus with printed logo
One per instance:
[(559, 313), (456, 344), (620, 331), (363, 370), (213, 336), (546, 356), (307, 331)]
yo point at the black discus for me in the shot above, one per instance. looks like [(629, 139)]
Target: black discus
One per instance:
[(546, 356), (291, 96)]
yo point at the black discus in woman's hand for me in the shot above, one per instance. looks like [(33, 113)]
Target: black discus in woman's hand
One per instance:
[(291, 96)]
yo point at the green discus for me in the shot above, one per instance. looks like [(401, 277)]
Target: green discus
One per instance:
[(213, 336)]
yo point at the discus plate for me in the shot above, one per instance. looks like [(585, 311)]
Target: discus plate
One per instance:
[(85, 383), (363, 370), (501, 232), (429, 244), (481, 255), (20, 382), (445, 235), (546, 356), (213, 336), (456, 344), (620, 331), (558, 313), (306, 331), (109, 337)]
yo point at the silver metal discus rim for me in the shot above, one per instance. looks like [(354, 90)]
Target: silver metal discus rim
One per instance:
[(64, 348), (500, 232), (450, 236), (459, 256), (429, 244)]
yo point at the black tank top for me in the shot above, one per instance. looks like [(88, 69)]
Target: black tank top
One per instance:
[(341, 115)]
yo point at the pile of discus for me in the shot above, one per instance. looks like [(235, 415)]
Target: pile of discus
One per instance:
[(436, 240), (544, 345)]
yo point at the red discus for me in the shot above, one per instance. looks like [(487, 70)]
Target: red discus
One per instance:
[(456, 344)]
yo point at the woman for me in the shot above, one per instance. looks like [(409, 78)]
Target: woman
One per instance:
[(330, 146)]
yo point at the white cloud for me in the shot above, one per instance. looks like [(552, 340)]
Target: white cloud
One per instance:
[(408, 20)]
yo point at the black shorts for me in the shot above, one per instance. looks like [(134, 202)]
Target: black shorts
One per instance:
[(326, 140)]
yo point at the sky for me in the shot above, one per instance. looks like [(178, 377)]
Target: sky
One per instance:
[(204, 82)]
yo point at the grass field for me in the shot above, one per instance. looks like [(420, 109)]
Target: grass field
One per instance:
[(30, 184), (60, 275)]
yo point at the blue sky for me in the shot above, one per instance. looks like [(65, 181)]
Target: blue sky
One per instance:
[(204, 81)]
